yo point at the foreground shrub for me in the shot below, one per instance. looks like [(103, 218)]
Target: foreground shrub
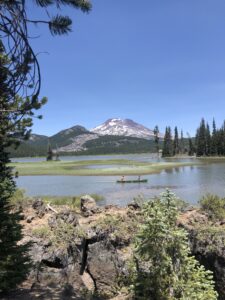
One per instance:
[(163, 268), (214, 206), (19, 199)]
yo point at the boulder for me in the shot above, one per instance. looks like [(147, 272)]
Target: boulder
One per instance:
[(39, 207), (30, 218), (88, 205), (104, 267), (67, 216), (134, 206)]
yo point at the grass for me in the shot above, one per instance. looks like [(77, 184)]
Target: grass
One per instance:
[(72, 201), (80, 168)]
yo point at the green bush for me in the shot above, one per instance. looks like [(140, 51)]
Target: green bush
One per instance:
[(120, 226), (19, 199), (213, 238), (214, 206), (162, 266)]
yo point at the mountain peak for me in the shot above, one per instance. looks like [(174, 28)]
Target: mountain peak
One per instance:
[(123, 127)]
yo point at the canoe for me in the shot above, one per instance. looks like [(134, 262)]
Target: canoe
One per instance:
[(132, 181)]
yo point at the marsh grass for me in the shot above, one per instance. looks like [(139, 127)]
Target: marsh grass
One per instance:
[(79, 168)]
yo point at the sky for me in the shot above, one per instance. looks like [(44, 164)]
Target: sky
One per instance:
[(157, 62)]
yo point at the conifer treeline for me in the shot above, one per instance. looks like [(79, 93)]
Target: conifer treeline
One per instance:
[(207, 142), (173, 144), (210, 143)]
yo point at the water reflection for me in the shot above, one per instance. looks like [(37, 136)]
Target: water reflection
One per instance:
[(189, 183)]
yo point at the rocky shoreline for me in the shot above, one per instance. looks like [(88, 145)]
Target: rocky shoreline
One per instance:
[(84, 253)]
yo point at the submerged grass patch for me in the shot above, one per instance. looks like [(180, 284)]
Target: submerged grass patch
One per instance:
[(79, 168)]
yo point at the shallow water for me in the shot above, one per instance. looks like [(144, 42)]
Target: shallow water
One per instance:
[(189, 182)]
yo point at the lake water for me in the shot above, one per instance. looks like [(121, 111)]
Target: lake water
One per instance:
[(190, 183)]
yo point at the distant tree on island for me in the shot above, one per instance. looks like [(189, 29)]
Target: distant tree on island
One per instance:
[(57, 154), (50, 153)]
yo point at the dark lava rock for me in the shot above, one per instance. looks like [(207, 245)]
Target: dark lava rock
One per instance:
[(67, 216), (104, 266), (30, 218), (39, 206), (88, 205), (211, 254)]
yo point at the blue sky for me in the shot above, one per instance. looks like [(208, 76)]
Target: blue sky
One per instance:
[(156, 62)]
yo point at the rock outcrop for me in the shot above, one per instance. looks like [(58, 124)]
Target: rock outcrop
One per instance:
[(78, 253), (84, 254)]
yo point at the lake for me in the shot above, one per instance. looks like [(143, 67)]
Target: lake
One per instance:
[(189, 183)]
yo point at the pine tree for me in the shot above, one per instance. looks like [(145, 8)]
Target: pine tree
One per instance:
[(181, 148), (14, 258), (214, 148), (208, 140), (163, 267), (223, 138), (201, 146), (20, 83), (14, 261), (191, 150), (49, 152), (167, 143), (156, 138), (57, 154), (176, 142)]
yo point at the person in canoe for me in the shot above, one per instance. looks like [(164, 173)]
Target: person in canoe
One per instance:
[(122, 178), (139, 178)]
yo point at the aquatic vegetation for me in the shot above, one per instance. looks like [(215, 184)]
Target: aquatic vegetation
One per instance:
[(128, 167)]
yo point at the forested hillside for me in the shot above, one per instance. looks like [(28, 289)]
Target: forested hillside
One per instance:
[(102, 145)]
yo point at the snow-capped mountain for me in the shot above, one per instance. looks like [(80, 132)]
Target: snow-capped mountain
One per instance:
[(124, 127)]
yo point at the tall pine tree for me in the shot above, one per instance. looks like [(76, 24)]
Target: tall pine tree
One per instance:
[(19, 75), (201, 145), (14, 259), (156, 138), (167, 143), (208, 140), (214, 144), (181, 148), (176, 142)]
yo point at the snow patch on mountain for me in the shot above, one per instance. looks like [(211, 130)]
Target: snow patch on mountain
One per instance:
[(124, 127)]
